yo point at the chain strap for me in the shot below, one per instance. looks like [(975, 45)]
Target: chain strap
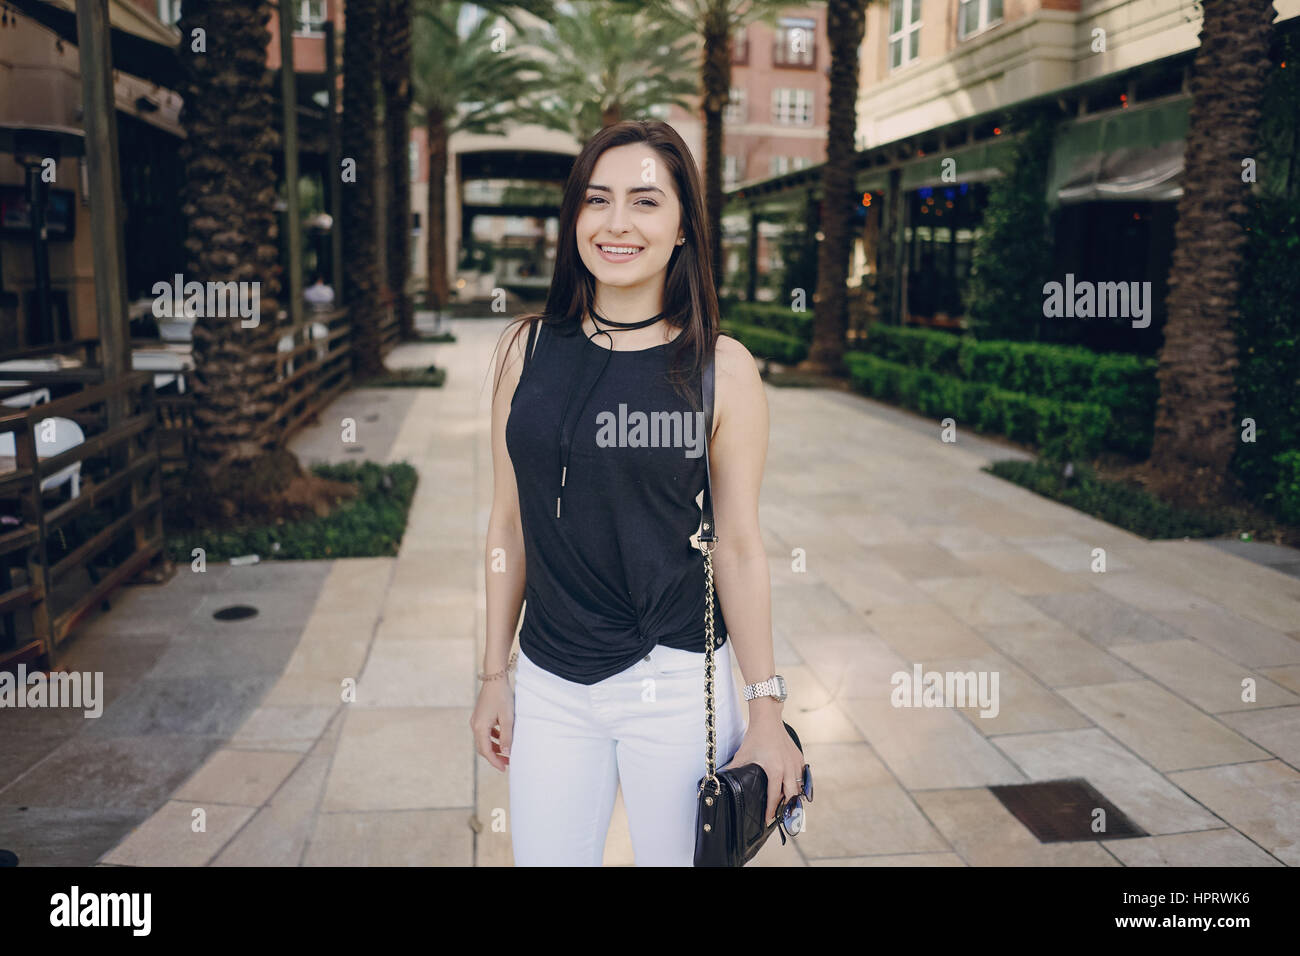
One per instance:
[(707, 548)]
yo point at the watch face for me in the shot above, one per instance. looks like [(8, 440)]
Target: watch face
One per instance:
[(780, 687)]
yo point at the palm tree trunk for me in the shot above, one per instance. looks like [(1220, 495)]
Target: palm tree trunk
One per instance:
[(715, 81), (360, 235), (435, 263), (397, 127), (239, 470), (1195, 431), (845, 23)]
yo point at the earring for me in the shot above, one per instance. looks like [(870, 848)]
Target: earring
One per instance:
[(680, 241)]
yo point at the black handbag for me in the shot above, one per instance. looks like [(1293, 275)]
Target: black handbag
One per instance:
[(732, 803)]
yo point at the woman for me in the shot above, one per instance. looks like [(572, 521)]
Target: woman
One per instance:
[(592, 515)]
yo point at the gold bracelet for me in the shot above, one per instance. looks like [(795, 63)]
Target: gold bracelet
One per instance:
[(501, 673)]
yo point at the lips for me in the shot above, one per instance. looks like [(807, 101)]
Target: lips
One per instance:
[(609, 256)]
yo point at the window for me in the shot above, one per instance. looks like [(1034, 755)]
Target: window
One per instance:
[(414, 156), (311, 17), (792, 107), (780, 165), (801, 162), (169, 11), (740, 47), (732, 170), (795, 43), (904, 31), (734, 111), (974, 15)]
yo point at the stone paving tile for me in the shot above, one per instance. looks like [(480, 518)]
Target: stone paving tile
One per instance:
[(1276, 729), (1144, 795), (1019, 703), (911, 859), (277, 834), (419, 674), (1202, 677), (1103, 619), (243, 777), (1054, 654), (1160, 727), (1235, 637), (402, 758), (1022, 573), (1066, 553), (923, 632), (198, 706), (168, 838), (64, 836), (283, 728), (109, 773), (1288, 675), (982, 601), (985, 833), (929, 748), (1259, 799), (850, 777), (1216, 848), (391, 838)]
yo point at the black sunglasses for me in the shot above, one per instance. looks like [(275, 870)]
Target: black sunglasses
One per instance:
[(792, 813)]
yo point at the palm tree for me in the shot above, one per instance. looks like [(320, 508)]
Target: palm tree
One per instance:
[(468, 84), (845, 24), (360, 233), (1195, 435), (600, 64), (396, 80), (714, 22), (240, 468)]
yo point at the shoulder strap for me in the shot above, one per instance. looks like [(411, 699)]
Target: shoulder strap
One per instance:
[(532, 335), (708, 528)]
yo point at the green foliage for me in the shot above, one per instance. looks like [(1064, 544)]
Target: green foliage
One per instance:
[(1267, 324), (1119, 504), (1012, 254), (767, 343), (370, 525), (1061, 429), (1286, 492), (769, 330), (1123, 384)]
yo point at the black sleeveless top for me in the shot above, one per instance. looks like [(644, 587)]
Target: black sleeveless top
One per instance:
[(615, 573)]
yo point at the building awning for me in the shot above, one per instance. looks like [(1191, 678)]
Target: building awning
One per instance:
[(1135, 154)]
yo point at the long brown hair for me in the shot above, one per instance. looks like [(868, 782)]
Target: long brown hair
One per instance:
[(690, 300)]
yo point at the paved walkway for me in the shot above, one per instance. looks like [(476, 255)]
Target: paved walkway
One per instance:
[(1131, 678)]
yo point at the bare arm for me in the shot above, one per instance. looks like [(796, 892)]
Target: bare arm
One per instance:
[(740, 568), (504, 554)]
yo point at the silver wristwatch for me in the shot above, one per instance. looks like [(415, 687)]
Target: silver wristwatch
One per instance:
[(774, 686)]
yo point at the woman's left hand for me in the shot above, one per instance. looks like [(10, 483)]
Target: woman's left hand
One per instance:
[(768, 744)]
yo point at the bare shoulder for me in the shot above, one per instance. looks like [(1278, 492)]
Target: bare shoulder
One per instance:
[(739, 386)]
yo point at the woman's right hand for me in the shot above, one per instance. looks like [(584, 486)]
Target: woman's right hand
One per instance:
[(493, 722)]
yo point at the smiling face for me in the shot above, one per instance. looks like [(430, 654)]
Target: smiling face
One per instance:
[(630, 218)]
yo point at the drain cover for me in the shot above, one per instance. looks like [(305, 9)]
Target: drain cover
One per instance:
[(372, 418), (8, 858), (236, 612), (1058, 811), (354, 449)]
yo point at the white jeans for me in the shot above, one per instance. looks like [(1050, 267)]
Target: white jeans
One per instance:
[(575, 744)]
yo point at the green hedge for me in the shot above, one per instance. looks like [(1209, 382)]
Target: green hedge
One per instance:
[(1123, 384), (768, 343), (1061, 429), (1286, 493)]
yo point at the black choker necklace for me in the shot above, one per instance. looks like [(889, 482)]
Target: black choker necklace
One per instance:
[(625, 325)]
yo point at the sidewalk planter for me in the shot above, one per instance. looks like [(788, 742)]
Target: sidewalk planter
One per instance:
[(1125, 385)]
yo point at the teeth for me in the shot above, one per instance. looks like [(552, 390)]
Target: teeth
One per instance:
[(620, 249)]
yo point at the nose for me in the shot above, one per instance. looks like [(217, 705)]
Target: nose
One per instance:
[(617, 218)]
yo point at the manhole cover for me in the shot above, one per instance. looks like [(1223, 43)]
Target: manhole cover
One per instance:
[(372, 418), (236, 612), (1058, 811), (354, 449), (8, 858)]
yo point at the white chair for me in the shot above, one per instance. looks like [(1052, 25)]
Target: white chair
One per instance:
[(66, 434), (171, 366)]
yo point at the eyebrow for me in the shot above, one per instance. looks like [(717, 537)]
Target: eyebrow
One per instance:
[(631, 189)]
